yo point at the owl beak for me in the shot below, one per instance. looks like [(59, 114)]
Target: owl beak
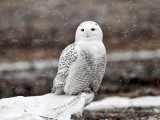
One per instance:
[(87, 34)]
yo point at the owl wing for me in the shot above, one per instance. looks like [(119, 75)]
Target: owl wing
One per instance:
[(68, 56), (98, 76)]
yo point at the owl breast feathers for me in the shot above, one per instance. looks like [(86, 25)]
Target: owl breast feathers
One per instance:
[(78, 71)]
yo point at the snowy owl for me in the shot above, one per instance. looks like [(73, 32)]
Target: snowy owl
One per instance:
[(83, 63)]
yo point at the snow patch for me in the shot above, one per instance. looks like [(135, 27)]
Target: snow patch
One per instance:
[(134, 55), (43, 107), (124, 102), (26, 65)]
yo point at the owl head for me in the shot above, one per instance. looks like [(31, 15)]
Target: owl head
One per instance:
[(88, 31)]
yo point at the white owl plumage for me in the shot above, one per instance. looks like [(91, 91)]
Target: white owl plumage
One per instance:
[(82, 64)]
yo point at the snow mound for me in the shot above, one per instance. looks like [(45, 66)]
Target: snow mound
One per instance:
[(124, 102), (47, 106)]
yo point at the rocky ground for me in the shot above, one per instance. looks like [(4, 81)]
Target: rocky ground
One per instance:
[(123, 114)]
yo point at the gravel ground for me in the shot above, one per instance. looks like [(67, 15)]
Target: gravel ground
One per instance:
[(123, 114)]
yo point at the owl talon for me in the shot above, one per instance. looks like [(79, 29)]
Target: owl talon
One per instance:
[(88, 90)]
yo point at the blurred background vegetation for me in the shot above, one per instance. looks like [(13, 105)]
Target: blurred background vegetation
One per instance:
[(36, 29)]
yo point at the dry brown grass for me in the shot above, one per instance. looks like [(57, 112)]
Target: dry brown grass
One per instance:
[(52, 24)]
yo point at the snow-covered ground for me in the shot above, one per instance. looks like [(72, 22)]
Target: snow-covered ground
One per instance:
[(124, 102), (62, 107), (43, 107)]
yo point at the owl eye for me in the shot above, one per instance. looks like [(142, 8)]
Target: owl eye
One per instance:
[(92, 29), (82, 30)]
